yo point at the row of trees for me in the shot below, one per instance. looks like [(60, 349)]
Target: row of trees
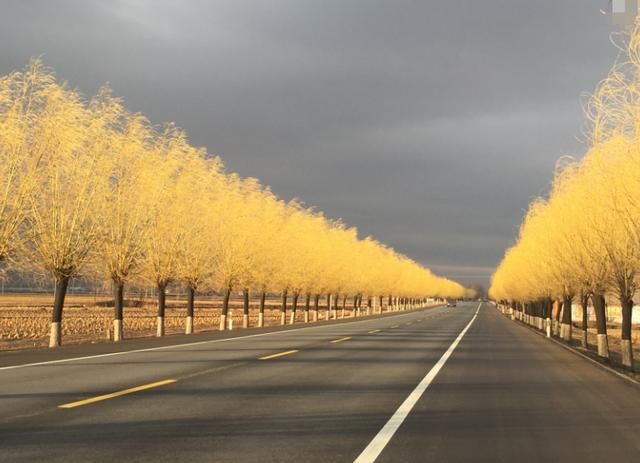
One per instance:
[(91, 187), (582, 243)]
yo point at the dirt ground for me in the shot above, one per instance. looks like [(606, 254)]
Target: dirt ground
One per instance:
[(613, 337), (25, 319)]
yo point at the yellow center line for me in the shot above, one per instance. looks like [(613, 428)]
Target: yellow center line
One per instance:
[(395, 326), (279, 354), (341, 339), (409, 323), (374, 331), (116, 394)]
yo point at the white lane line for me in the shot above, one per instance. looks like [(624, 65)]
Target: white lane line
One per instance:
[(189, 344), (380, 441)]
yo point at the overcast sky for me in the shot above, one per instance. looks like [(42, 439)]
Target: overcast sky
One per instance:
[(427, 124)]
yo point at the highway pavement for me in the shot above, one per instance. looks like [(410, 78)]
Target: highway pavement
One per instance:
[(442, 384)]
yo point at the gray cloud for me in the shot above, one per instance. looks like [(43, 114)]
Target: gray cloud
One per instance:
[(428, 124)]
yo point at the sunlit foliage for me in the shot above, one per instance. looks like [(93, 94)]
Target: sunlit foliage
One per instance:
[(584, 239), (88, 186)]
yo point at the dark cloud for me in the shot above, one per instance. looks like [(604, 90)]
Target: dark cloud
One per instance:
[(428, 124)]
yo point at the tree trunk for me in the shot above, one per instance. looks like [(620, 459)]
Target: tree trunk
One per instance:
[(548, 309), (162, 296), (328, 306), (335, 306), (355, 305), (191, 296), (118, 308), (294, 308), (368, 305), (344, 305), (626, 347), (557, 318), (565, 327), (245, 308), (225, 309), (55, 336), (283, 308), (263, 297), (307, 303), (316, 303), (601, 324), (381, 299), (584, 302)]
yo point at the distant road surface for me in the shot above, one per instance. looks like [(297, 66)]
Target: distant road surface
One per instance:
[(459, 384)]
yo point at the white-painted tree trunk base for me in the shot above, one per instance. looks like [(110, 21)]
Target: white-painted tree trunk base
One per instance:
[(260, 320), (584, 339), (565, 331), (283, 318), (223, 322), (547, 323), (627, 353), (189, 325), (117, 330), (245, 320), (55, 335), (306, 316), (160, 327), (314, 315), (292, 318), (603, 346)]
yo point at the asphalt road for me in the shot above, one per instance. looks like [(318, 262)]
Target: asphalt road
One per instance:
[(445, 385)]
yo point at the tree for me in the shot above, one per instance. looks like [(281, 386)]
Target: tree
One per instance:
[(126, 206), (164, 237), (63, 223), (197, 193), (232, 240)]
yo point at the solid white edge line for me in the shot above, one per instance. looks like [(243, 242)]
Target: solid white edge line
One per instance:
[(189, 344), (380, 441)]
